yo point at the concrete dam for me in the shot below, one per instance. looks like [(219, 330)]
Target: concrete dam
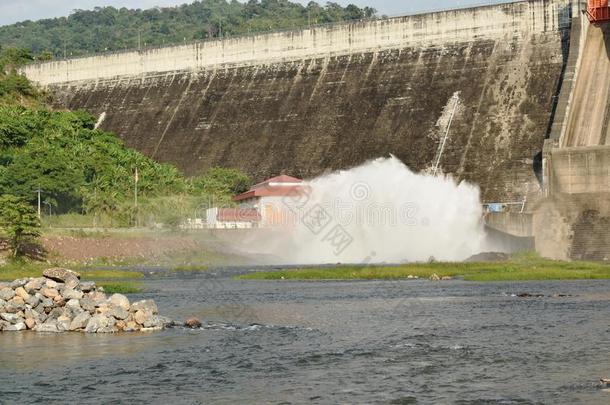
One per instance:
[(507, 89)]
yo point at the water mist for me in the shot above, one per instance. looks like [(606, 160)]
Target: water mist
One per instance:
[(378, 212)]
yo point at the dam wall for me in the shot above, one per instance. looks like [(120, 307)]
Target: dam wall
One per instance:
[(311, 101), (573, 221)]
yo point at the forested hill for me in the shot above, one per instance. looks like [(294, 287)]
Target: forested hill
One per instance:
[(111, 29)]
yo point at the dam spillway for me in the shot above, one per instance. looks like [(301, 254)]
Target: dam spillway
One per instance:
[(305, 102)]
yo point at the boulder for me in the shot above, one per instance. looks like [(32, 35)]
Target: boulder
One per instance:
[(120, 300), (63, 323), (72, 283), (34, 284), (131, 326), (435, 277), (10, 308), (96, 322), (46, 302), (50, 283), (192, 323), (17, 302), (87, 286), (20, 292), (97, 297), (6, 293), (143, 316), (73, 305), (19, 283), (87, 304), (60, 275), (30, 323), (108, 329), (33, 301), (31, 314), (10, 318), (19, 326), (80, 321), (49, 326), (69, 293), (117, 312), (49, 292), (148, 305)]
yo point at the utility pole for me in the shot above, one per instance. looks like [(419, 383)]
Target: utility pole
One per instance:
[(135, 194), (39, 191)]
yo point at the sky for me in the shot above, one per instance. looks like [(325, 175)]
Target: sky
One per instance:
[(12, 11)]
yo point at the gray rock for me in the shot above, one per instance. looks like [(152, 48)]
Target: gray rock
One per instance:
[(108, 329), (72, 283), (80, 321), (117, 312), (19, 283), (144, 305), (73, 305), (33, 301), (120, 300), (97, 296), (87, 286), (96, 322), (34, 284), (19, 326), (49, 292), (143, 316), (47, 303), (69, 294), (10, 308), (6, 294), (31, 314), (56, 313), (156, 321), (11, 318), (49, 326), (87, 304), (3, 324), (60, 275), (63, 323)]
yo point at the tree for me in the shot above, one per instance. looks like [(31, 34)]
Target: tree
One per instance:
[(20, 223)]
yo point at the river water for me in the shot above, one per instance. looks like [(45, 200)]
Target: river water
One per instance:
[(394, 342)]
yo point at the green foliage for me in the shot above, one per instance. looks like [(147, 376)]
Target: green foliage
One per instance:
[(83, 170), (221, 184), (19, 222), (12, 83), (111, 29)]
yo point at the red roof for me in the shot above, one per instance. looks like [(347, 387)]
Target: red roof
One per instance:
[(238, 215), (279, 186), (278, 179)]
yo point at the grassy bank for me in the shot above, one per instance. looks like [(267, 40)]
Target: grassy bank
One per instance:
[(113, 281), (524, 267)]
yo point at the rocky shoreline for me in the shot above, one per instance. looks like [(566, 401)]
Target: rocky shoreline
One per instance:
[(60, 302)]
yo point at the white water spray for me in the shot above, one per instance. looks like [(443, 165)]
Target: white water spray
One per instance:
[(380, 212)]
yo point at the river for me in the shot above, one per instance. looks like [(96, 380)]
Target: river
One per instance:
[(284, 342)]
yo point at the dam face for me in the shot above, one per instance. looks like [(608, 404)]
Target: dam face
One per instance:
[(321, 99)]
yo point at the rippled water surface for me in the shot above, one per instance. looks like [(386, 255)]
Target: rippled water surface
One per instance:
[(401, 342)]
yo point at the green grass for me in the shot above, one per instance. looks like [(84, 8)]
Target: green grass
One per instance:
[(189, 268), (120, 287), (523, 267)]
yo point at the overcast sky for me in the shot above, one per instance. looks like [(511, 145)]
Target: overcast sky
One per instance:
[(12, 11)]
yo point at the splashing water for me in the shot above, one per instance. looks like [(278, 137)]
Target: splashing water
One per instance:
[(381, 212)]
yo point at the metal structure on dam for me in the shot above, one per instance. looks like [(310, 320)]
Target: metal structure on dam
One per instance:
[(530, 77)]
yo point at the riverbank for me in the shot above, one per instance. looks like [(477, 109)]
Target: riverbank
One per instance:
[(522, 267)]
